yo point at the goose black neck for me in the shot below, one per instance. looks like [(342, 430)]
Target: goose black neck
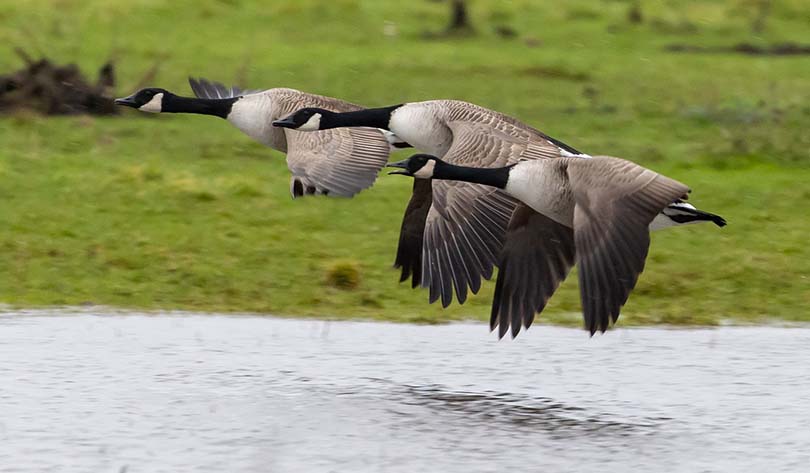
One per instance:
[(218, 107), (371, 117), (495, 177)]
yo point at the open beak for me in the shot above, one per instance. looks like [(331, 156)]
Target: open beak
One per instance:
[(128, 101), (285, 123), (399, 164)]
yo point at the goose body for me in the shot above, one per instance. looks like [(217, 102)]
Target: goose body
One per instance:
[(424, 124), (246, 112), (594, 213), (338, 162), (556, 201), (454, 221)]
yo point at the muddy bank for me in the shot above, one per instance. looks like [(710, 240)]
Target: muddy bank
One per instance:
[(57, 89)]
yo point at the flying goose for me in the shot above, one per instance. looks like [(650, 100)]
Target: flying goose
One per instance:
[(595, 213), (337, 162), (453, 231)]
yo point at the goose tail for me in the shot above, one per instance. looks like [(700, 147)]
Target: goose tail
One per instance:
[(683, 213), (394, 141), (701, 216)]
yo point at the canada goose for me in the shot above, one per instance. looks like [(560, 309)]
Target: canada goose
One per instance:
[(337, 162), (595, 213), (452, 231)]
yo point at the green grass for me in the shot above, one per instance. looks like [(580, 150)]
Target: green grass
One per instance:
[(184, 212)]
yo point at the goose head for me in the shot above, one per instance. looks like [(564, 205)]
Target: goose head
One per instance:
[(305, 119), (421, 166), (146, 100)]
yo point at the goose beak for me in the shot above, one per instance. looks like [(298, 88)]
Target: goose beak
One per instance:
[(285, 123), (399, 164), (128, 101)]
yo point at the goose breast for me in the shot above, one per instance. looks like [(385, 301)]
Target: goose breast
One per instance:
[(420, 125)]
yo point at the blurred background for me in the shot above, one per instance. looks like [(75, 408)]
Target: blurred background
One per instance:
[(184, 212)]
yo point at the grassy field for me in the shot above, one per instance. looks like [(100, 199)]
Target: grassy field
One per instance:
[(184, 212)]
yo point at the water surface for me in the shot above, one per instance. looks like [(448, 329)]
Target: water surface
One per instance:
[(139, 393)]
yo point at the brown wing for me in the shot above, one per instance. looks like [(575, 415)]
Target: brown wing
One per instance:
[(486, 138), (464, 233), (409, 251), (339, 161), (536, 258), (466, 225), (615, 201), (214, 90)]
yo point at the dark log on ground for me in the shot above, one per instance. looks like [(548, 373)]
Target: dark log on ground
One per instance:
[(54, 89)]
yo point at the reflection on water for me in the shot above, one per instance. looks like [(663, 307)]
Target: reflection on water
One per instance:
[(211, 393), (490, 410)]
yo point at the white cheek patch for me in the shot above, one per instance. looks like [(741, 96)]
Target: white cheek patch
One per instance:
[(153, 106), (426, 171), (313, 124)]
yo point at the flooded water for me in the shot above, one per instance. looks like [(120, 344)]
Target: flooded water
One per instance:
[(169, 393)]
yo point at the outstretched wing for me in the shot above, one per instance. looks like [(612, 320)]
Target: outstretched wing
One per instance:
[(206, 89), (464, 232), (339, 162), (536, 258), (615, 201), (466, 224), (409, 250)]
